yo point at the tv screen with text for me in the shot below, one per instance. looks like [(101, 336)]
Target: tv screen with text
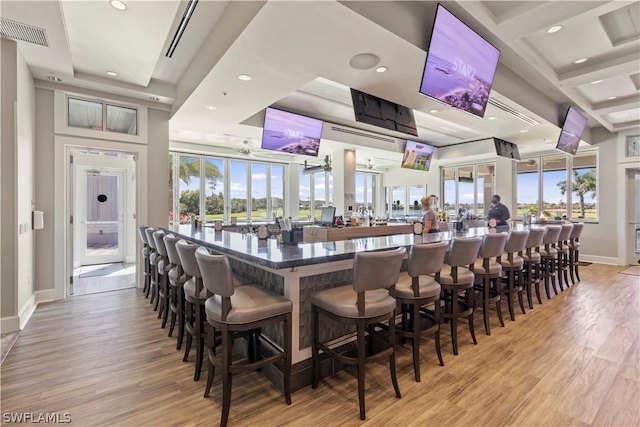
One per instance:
[(291, 133)]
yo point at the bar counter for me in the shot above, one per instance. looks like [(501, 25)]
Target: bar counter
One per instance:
[(300, 270)]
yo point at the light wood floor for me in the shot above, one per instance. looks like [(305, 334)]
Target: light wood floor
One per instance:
[(575, 360)]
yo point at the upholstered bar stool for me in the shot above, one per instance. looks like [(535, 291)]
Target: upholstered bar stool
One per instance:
[(162, 274), (363, 304), (153, 264), (177, 278), (562, 261), (531, 258), (548, 254), (416, 289), (574, 250), (488, 270), (234, 311), (195, 295), (456, 280), (512, 264), (145, 259)]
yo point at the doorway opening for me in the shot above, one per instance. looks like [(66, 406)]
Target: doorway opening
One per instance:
[(103, 221)]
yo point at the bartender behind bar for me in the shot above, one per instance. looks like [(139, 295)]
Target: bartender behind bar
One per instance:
[(498, 211)]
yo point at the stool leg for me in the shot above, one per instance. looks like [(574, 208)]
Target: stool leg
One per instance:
[(470, 297), (521, 285), (577, 264), (486, 286), (415, 341), (199, 340), (392, 356), (361, 363), (438, 319), (572, 266), (180, 314), (188, 320), (288, 346), (454, 321), (211, 353), (226, 376), (173, 299), (497, 286), (510, 293), (314, 346)]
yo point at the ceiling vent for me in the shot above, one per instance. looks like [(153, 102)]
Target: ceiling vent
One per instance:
[(191, 7), (514, 113), (364, 135), (23, 32)]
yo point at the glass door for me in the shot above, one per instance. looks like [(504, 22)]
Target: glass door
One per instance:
[(100, 214)]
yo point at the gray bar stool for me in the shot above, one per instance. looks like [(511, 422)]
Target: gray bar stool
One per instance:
[(574, 250), (235, 311), (153, 264), (417, 289), (364, 304), (512, 262), (532, 259), (488, 271), (145, 259), (162, 274), (548, 254), (177, 278), (562, 262), (457, 278)]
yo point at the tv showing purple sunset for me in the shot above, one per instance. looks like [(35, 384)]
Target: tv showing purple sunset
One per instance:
[(291, 133), (572, 131), (460, 65)]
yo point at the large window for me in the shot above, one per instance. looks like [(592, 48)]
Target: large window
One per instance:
[(467, 190), (224, 188), (365, 191), (87, 114), (402, 201), (316, 192), (567, 186)]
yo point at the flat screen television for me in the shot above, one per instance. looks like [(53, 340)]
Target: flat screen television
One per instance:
[(379, 112), (417, 156), (572, 130), (291, 133), (327, 215), (506, 149), (460, 65)]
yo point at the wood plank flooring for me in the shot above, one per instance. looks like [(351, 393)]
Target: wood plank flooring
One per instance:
[(572, 361)]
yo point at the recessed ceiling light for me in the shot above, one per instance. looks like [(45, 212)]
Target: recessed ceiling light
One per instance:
[(492, 118), (54, 79), (244, 77), (554, 29), (524, 131), (117, 4), (112, 73), (434, 111), (580, 60), (381, 69), (210, 107), (595, 82), (611, 97)]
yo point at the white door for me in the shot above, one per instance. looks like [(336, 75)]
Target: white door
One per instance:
[(100, 216), (633, 229)]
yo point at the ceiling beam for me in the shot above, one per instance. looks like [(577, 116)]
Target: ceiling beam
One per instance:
[(620, 66)]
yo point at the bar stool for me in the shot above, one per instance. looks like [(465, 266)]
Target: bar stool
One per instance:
[(548, 255), (456, 278), (145, 259), (488, 270), (562, 262), (235, 311), (574, 250), (153, 264), (364, 304), (512, 264), (177, 278), (417, 289), (531, 258), (195, 295), (162, 274)]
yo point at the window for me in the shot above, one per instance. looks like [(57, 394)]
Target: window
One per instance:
[(122, 119), (365, 190), (398, 201), (87, 114), (84, 114), (316, 191), (554, 181), (414, 207), (304, 207), (188, 187), (467, 190), (277, 192), (527, 188), (449, 191), (238, 190), (584, 186), (214, 189)]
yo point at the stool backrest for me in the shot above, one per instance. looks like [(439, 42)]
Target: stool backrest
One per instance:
[(565, 233), (149, 232), (158, 238), (187, 254), (577, 231), (375, 270), (552, 234), (170, 243), (216, 273), (492, 245), (517, 241), (143, 235), (464, 251), (535, 237), (427, 259)]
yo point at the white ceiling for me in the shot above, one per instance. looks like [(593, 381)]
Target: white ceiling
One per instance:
[(297, 54)]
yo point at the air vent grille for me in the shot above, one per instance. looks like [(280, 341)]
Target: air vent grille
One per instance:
[(365, 135), (514, 113), (23, 32)]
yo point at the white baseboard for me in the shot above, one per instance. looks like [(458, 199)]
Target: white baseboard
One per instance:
[(130, 259), (9, 324), (600, 259), (27, 310)]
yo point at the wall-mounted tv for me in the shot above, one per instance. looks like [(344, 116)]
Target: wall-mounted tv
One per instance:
[(572, 130), (379, 112), (291, 133), (506, 149), (417, 156), (460, 65)]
